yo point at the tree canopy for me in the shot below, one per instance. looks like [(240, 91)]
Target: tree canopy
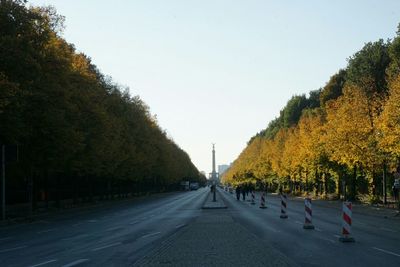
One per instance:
[(346, 133), (73, 124)]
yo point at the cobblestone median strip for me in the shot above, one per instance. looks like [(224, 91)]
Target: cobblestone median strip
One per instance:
[(218, 204), (214, 239)]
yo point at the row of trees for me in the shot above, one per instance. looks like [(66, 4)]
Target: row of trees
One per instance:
[(342, 138), (79, 134)]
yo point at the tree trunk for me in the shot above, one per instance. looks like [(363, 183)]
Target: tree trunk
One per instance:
[(384, 183), (354, 184)]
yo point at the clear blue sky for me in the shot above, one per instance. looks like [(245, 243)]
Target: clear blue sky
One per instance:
[(217, 71)]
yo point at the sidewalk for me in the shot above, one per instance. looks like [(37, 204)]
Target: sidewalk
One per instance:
[(214, 239)]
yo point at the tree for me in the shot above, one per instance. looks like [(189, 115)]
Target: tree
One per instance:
[(333, 89), (351, 134), (389, 121), (367, 67)]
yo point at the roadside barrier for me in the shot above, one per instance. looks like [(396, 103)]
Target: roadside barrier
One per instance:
[(262, 204), (346, 226), (283, 206), (253, 198), (308, 212)]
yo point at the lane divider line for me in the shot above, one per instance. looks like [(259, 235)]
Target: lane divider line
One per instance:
[(75, 237), (12, 249), (74, 263), (151, 234), (107, 246), (112, 229), (386, 251), (327, 239), (6, 238), (46, 231), (43, 263), (387, 229)]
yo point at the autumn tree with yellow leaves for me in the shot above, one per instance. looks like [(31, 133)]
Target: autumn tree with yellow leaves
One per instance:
[(343, 139)]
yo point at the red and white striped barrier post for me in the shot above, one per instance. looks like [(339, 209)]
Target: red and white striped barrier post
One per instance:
[(253, 198), (346, 226), (308, 218), (262, 203), (283, 206)]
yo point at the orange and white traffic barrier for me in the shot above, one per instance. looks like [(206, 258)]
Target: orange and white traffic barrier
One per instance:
[(262, 203), (308, 212), (346, 226), (283, 206), (253, 198)]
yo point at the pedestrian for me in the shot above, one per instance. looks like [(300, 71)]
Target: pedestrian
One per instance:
[(396, 193), (244, 192), (280, 190), (238, 192)]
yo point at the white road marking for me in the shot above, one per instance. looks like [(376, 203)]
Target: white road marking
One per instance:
[(318, 229), (11, 249), (46, 231), (298, 222), (152, 234), (386, 251), (75, 263), (387, 229), (75, 237), (92, 221), (338, 236), (134, 222), (42, 221), (327, 239), (360, 223), (180, 225), (6, 238), (107, 246), (112, 229), (43, 263)]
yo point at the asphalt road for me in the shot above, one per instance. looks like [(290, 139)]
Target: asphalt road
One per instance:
[(116, 235), (123, 233), (377, 239)]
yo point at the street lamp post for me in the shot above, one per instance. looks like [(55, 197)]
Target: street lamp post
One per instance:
[(214, 175), (3, 182)]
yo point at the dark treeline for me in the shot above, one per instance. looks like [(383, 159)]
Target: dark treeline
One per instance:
[(79, 134), (342, 140)]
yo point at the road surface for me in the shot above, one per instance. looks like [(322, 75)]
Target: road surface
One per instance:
[(113, 236), (377, 239), (150, 230)]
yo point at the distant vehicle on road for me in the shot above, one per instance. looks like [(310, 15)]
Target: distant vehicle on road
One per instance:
[(185, 186), (194, 186)]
